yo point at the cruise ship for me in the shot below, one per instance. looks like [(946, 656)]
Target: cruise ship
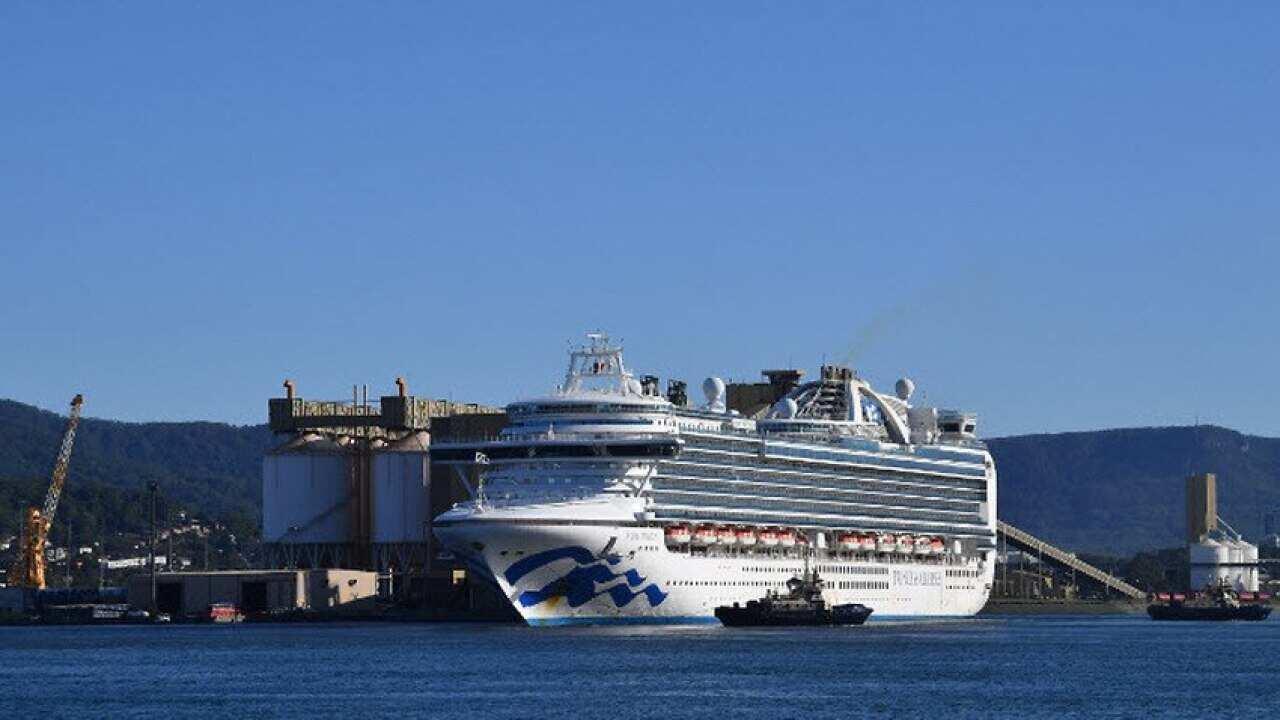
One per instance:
[(608, 501)]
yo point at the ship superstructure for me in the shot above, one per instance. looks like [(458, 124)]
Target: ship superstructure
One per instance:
[(607, 501)]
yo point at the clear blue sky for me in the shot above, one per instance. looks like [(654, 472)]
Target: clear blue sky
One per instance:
[(1060, 215)]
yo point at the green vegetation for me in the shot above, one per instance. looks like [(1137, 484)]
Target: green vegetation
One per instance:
[(210, 469), (1157, 571)]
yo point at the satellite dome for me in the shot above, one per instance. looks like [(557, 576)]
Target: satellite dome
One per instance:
[(634, 387), (904, 388), (713, 388)]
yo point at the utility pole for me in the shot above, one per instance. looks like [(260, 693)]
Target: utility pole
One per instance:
[(151, 546), (70, 556), (1004, 567)]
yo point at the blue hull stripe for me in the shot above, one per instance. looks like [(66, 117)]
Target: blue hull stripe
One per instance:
[(624, 620), (707, 620)]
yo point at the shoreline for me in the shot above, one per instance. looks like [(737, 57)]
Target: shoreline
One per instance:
[(1062, 607)]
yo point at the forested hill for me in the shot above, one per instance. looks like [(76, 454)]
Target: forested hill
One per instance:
[(1108, 491), (210, 468), (1117, 491)]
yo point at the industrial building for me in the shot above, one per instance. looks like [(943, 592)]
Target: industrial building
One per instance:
[(189, 594), (1218, 554), (350, 484)]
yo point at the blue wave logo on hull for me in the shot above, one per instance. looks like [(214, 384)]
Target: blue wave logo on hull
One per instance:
[(578, 586)]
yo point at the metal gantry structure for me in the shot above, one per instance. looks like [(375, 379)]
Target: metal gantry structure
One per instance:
[(28, 568), (1027, 542)]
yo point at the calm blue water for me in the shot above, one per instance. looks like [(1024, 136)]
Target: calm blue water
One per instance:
[(1012, 667)]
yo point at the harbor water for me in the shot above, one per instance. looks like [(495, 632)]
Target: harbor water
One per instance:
[(1031, 667)]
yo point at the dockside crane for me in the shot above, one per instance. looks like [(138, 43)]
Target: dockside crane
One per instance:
[(28, 566)]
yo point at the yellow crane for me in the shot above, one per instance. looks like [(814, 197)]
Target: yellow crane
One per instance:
[(28, 566)]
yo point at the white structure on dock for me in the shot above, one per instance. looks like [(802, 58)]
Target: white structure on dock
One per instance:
[(1218, 554)]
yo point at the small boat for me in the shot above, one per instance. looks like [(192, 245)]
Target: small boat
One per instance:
[(867, 543), (937, 546), (906, 544), (726, 536), (768, 537), (886, 542), (1215, 603), (746, 536), (848, 541), (787, 538), (224, 613), (923, 545), (801, 605)]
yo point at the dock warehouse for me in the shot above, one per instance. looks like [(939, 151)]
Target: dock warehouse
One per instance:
[(253, 591)]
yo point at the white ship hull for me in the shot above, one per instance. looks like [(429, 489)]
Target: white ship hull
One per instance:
[(571, 505), (559, 574)]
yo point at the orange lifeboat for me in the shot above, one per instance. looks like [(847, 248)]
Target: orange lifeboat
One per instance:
[(937, 546), (726, 536), (906, 544), (885, 542), (746, 536), (768, 537), (867, 542), (705, 535), (678, 535), (787, 537), (848, 541)]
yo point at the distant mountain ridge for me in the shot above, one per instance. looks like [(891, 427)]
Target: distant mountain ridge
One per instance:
[(1118, 491), (1105, 491)]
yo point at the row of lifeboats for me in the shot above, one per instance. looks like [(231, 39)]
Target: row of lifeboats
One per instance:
[(890, 543), (708, 535), (704, 535)]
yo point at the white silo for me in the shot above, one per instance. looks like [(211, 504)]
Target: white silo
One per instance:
[(305, 493), (1207, 557), (1249, 582), (1222, 567), (401, 473), (1235, 571)]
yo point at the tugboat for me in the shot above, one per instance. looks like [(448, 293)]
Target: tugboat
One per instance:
[(1216, 603), (802, 605)]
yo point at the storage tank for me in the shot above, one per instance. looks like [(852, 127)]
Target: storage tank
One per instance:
[(1207, 557), (1235, 552), (400, 481), (305, 494), (1250, 574), (1226, 552), (1234, 572)]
